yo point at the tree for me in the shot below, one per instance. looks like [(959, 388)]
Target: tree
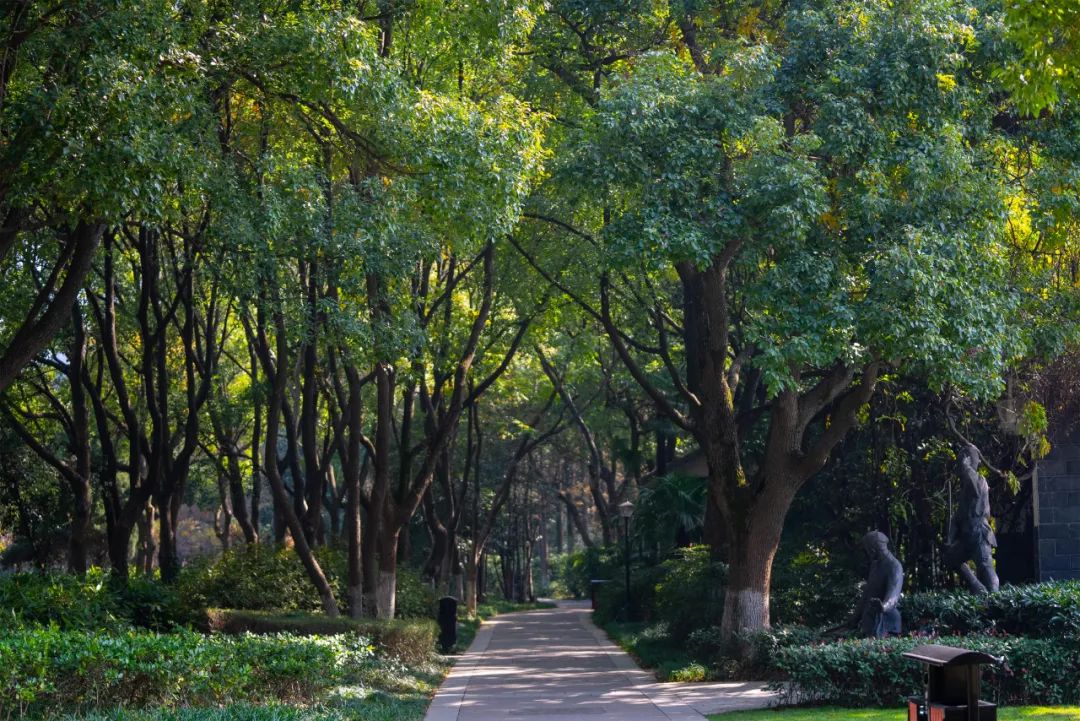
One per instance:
[(761, 209)]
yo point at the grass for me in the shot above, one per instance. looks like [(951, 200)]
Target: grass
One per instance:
[(1037, 713)]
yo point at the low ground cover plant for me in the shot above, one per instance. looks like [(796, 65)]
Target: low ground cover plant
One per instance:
[(49, 668), (410, 640)]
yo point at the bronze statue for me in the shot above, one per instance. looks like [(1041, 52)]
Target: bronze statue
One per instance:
[(970, 536), (877, 612)]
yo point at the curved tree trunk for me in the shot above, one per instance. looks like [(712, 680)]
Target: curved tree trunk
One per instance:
[(277, 486), (49, 315)]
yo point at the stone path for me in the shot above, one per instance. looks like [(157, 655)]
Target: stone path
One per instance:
[(555, 665)]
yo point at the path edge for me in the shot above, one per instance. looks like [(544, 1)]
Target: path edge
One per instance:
[(640, 680), (446, 703)]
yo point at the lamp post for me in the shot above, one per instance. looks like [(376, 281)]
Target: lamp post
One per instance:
[(626, 509)]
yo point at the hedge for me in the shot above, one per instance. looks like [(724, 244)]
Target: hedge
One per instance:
[(874, 673), (411, 641), (49, 669), (1039, 610)]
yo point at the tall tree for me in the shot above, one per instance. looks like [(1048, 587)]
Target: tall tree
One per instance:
[(759, 210)]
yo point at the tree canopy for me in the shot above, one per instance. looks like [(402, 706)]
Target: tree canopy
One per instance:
[(473, 272)]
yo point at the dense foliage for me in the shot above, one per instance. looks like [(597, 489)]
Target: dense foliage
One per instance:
[(90, 603)]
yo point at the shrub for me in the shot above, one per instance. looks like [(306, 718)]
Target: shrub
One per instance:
[(813, 588), (652, 646), (64, 600), (415, 599), (251, 577), (93, 602), (691, 580), (148, 603), (264, 578), (1038, 610), (411, 640), (574, 571), (611, 597), (758, 657), (873, 672), (46, 668), (684, 592)]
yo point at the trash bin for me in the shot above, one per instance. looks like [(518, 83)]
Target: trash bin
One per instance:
[(952, 678), (594, 588), (447, 623)]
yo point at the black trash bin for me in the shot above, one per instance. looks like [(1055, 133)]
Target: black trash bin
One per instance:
[(594, 588), (447, 623), (952, 680)]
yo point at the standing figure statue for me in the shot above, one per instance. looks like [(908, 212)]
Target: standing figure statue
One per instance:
[(877, 614), (970, 536)]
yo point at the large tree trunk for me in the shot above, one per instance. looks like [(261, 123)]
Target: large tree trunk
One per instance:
[(147, 545), (80, 527), (118, 537), (239, 503), (168, 553), (576, 521), (386, 592), (80, 441), (372, 546), (472, 577), (751, 549)]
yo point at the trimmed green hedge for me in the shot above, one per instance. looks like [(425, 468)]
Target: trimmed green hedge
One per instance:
[(410, 640), (873, 672), (49, 669), (1041, 610)]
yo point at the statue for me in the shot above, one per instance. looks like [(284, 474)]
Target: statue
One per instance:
[(970, 536), (877, 615)]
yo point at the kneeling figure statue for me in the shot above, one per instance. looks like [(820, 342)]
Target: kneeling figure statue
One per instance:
[(877, 614)]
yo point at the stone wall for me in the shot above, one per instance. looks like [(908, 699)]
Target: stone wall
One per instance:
[(1057, 512)]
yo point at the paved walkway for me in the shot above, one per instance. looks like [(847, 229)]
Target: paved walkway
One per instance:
[(555, 665)]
